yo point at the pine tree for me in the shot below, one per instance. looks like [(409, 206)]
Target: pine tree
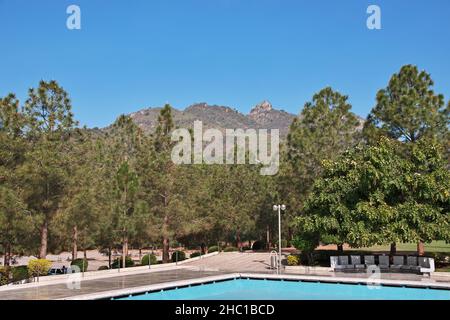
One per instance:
[(50, 123), (14, 218), (408, 109), (325, 129), (161, 177)]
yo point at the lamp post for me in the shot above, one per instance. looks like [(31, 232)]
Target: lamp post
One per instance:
[(279, 208)]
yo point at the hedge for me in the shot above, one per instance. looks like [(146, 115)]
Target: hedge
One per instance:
[(181, 256), (153, 260), (80, 263)]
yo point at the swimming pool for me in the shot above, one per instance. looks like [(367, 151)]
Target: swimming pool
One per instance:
[(251, 289)]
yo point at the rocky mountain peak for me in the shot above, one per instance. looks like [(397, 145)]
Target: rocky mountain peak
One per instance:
[(264, 106)]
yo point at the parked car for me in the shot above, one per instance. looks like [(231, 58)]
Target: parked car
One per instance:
[(56, 271)]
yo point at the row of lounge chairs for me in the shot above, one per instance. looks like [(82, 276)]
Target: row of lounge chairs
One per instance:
[(413, 263)]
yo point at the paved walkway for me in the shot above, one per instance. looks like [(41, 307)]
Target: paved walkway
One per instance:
[(60, 291), (236, 261)]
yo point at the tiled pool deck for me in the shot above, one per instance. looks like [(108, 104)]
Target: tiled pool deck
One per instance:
[(218, 267), (62, 290)]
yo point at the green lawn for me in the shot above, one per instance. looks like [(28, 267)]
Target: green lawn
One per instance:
[(444, 269), (435, 246)]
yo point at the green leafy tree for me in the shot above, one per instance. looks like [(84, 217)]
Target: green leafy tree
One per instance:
[(373, 195), (409, 110), (426, 210)]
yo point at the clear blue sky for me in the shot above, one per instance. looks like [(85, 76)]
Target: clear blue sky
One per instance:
[(135, 54)]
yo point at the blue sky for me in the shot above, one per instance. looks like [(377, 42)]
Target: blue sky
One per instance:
[(135, 54)]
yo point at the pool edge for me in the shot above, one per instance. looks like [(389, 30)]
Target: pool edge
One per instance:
[(231, 276)]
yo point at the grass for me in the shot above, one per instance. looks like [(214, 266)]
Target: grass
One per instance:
[(444, 269), (435, 246)]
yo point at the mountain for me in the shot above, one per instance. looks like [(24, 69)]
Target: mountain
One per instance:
[(262, 116)]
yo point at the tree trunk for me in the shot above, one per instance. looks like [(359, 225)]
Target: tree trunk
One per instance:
[(268, 238), (9, 253), (7, 257), (203, 248), (393, 248), (44, 236), (165, 256), (238, 239), (340, 248), (420, 248), (109, 257), (74, 243), (125, 250), (290, 236)]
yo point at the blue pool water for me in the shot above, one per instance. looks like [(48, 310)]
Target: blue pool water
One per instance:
[(248, 289)]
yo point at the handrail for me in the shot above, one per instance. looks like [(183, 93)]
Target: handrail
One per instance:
[(272, 253)]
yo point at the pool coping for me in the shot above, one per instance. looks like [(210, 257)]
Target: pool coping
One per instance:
[(122, 293)]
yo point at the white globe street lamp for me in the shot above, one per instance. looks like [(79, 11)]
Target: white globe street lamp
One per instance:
[(279, 208)]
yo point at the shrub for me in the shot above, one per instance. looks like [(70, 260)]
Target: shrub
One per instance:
[(178, 256), (258, 245), (80, 263), (103, 268), (119, 261), (195, 254), (213, 249), (39, 267), (293, 260), (153, 260), (230, 249), (20, 273), (4, 275)]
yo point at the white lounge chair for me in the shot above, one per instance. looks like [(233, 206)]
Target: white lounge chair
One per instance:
[(426, 265), (399, 261), (411, 264), (356, 262), (343, 264), (369, 261), (334, 261), (383, 262)]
